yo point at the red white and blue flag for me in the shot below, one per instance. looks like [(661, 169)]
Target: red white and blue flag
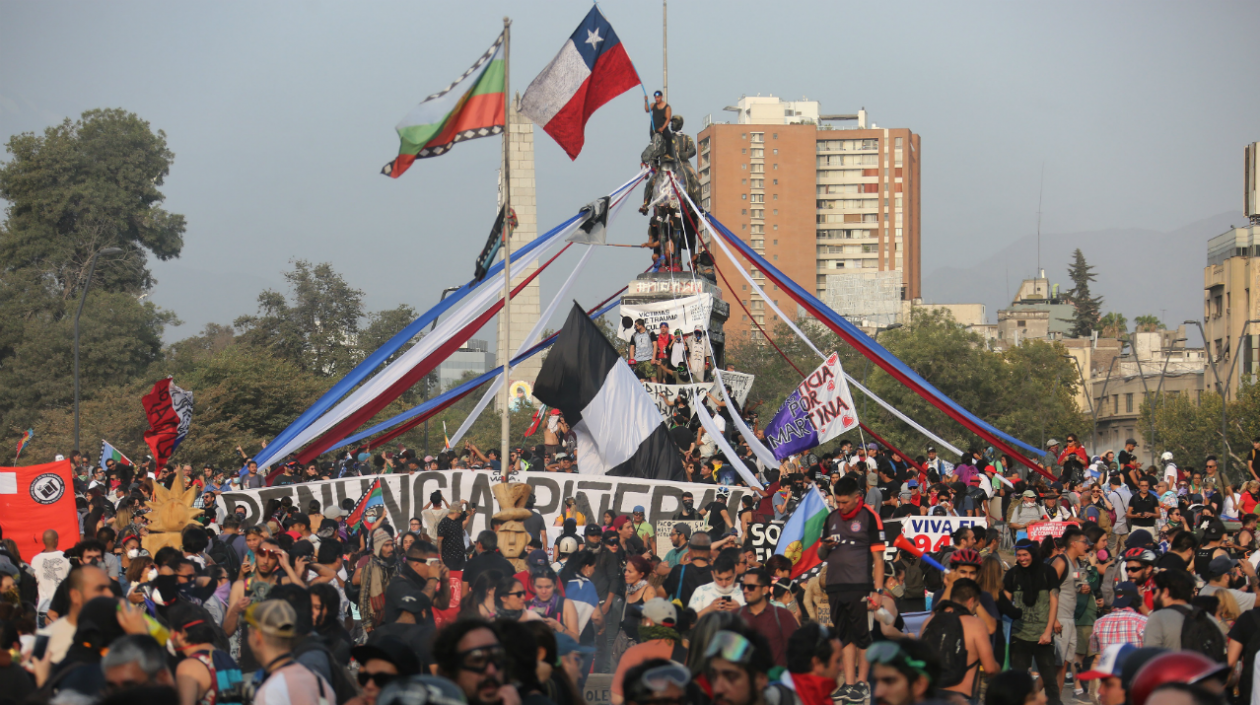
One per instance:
[(591, 69)]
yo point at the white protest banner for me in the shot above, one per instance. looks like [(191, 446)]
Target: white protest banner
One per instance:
[(406, 494), (930, 534), (1039, 530), (665, 394), (665, 527), (686, 313), (820, 409)]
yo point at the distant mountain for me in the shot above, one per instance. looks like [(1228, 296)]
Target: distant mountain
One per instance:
[(1139, 271)]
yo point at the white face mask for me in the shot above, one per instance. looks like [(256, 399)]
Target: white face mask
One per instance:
[(725, 590), (151, 575), (133, 553)]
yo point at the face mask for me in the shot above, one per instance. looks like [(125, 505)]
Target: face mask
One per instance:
[(725, 590), (151, 575), (898, 591), (688, 503), (133, 553)]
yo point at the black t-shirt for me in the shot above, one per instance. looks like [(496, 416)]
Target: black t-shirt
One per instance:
[(717, 523), (887, 490), (1245, 628), (1140, 505), (905, 510), (1124, 457), (692, 577), (451, 532), (480, 563)]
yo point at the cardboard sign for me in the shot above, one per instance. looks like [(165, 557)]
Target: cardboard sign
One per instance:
[(687, 314), (763, 536), (665, 527), (930, 534), (598, 689), (1039, 530), (404, 494), (820, 409)]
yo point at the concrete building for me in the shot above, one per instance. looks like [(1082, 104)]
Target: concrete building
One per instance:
[(1157, 366), (1231, 305), (526, 306), (475, 357), (815, 196), (1038, 311)]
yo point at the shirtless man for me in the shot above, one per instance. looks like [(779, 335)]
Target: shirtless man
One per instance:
[(966, 593)]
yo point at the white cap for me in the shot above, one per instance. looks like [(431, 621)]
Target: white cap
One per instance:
[(59, 458)]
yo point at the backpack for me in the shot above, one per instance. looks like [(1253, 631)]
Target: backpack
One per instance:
[(343, 685), (223, 553), (1200, 633), (944, 636), (933, 579)]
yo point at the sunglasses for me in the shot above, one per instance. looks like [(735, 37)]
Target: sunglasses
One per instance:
[(480, 659), (749, 586), (1134, 568), (730, 646), (518, 593), (381, 679)]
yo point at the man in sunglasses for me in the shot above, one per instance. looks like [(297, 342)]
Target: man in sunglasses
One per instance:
[(775, 623), (423, 573), (470, 654), (382, 662), (737, 664)]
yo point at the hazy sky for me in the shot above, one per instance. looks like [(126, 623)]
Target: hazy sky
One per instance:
[(281, 115)]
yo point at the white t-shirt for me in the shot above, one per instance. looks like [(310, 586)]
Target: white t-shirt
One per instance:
[(707, 593), (294, 684), (1170, 475), (50, 567)]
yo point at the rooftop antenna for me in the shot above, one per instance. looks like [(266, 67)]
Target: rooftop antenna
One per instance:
[(1040, 191)]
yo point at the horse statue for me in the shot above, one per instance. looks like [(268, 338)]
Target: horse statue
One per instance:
[(670, 231)]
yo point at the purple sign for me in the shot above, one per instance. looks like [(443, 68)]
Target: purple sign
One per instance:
[(790, 431)]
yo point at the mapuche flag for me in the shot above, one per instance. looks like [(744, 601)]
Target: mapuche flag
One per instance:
[(372, 498), (802, 533), (591, 69), (109, 452), (469, 108), (169, 409)]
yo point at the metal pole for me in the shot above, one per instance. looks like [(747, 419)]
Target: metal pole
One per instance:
[(1103, 395), (505, 428), (665, 49), (1220, 388), (1158, 391)]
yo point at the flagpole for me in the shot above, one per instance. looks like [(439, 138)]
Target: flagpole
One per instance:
[(665, 49), (505, 330)]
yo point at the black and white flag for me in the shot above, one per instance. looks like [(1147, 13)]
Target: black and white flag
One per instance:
[(619, 429), (594, 227)]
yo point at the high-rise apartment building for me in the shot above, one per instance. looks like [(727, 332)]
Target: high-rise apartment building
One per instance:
[(827, 203)]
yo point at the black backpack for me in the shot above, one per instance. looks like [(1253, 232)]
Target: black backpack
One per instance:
[(1200, 633), (223, 553), (944, 636)]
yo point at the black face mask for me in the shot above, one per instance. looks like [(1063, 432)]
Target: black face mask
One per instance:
[(688, 503)]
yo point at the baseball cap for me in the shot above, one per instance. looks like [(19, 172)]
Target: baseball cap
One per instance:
[(561, 456), (333, 512), (684, 529), (567, 545), (1056, 486), (1110, 663), (1220, 566), (1029, 494), (1052, 442), (273, 617), (872, 446), (593, 530), (638, 509), (661, 611), (912, 483), (537, 559), (390, 649), (872, 479), (931, 449), (1125, 594)]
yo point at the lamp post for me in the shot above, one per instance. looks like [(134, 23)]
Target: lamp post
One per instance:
[(1233, 365), (1146, 390), (77, 313)]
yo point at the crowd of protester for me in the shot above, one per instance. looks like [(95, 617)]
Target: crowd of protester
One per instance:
[(1148, 595)]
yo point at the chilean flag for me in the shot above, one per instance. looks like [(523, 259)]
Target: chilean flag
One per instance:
[(591, 69)]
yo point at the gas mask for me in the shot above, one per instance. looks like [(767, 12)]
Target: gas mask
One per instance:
[(897, 591)]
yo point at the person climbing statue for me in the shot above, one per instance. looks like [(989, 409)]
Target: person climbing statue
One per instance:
[(661, 114)]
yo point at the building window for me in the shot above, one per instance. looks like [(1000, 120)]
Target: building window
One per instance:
[(776, 242), (1021, 324), (743, 151), (743, 211), (743, 197), (776, 166), (1115, 404), (759, 198), (776, 211), (776, 259), (743, 135), (1128, 398), (758, 137), (776, 197), (758, 154), (745, 166), (756, 168), (743, 181), (743, 226), (776, 227), (776, 182), (745, 287), (775, 151), (776, 135)]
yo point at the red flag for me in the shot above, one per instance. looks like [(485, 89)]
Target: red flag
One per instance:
[(34, 499), (539, 415), (169, 409)]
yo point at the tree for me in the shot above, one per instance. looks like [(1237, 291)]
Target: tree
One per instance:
[(1192, 430), (1088, 308), (1147, 324), (1113, 325), (82, 187), (319, 331)]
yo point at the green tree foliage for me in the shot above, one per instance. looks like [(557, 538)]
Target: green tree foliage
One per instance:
[(318, 332), (1026, 391), (1088, 308), (81, 187), (1147, 324), (1113, 325), (1192, 431)]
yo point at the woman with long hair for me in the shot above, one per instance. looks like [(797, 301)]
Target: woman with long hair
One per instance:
[(480, 602), (609, 517), (556, 611), (404, 542), (580, 590), (509, 601), (701, 635), (139, 573)]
